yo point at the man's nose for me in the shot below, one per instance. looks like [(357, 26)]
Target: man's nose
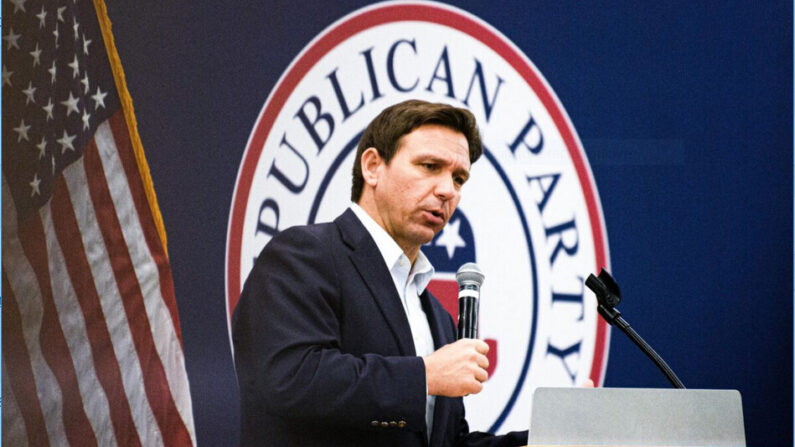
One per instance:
[(445, 188)]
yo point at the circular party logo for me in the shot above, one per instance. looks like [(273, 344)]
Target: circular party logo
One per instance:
[(529, 215)]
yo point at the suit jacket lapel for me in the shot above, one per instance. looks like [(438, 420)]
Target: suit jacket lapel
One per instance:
[(436, 319), (369, 262)]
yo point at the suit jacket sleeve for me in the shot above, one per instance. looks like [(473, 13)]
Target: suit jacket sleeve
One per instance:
[(288, 355)]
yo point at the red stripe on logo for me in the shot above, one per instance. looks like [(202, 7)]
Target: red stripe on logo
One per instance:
[(105, 364), (18, 367), (156, 386)]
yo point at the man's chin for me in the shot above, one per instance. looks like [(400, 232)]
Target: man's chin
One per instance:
[(423, 233), (427, 235)]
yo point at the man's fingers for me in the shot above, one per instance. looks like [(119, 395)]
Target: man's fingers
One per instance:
[(457, 369), (483, 361), (472, 386), (481, 375)]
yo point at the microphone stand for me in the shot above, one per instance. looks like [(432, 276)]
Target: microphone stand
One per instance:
[(608, 295)]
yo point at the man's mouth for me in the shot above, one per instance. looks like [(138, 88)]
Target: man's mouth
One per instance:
[(435, 216)]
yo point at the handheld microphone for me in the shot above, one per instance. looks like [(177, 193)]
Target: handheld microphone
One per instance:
[(469, 279)]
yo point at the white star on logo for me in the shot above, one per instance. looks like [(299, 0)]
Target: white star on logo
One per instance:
[(450, 238), (22, 130), (71, 104), (66, 142)]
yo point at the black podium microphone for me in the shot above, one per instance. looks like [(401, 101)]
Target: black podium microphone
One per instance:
[(469, 278), (608, 296)]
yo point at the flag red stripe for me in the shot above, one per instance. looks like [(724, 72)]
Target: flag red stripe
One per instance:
[(20, 373), (156, 386), (121, 137), (51, 337), (107, 368)]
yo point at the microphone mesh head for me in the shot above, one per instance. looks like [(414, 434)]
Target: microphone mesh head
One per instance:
[(469, 274)]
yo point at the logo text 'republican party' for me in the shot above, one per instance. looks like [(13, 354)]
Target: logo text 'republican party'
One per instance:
[(529, 215)]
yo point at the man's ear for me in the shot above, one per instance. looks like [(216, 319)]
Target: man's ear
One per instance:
[(371, 164)]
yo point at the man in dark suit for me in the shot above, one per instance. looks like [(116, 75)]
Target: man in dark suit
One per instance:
[(336, 340)]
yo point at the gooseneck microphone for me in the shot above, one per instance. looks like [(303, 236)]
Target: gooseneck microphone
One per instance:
[(608, 296), (469, 279)]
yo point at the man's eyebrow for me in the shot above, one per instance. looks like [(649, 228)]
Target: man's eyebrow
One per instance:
[(434, 158), (430, 156)]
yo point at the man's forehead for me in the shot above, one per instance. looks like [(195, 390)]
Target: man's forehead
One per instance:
[(437, 138)]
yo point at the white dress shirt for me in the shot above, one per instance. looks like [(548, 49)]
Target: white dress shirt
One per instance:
[(410, 281)]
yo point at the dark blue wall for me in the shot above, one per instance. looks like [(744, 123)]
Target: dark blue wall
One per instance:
[(685, 112)]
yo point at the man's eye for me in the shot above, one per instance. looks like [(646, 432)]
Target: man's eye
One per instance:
[(459, 181), (429, 166)]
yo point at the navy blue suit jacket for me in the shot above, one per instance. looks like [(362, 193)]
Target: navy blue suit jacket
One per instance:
[(324, 352)]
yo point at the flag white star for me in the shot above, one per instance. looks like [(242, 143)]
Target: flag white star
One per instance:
[(60, 13), (99, 98), (85, 118), (75, 64), (84, 81), (6, 75), (12, 39), (22, 130), (71, 104), (52, 71), (75, 26), (66, 142), (450, 238), (56, 34), (48, 108), (42, 15), (36, 55), (34, 185), (52, 159), (18, 4), (86, 43), (42, 147), (29, 93)]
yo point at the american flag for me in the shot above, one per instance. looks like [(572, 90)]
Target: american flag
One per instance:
[(92, 351)]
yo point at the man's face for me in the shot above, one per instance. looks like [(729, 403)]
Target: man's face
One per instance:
[(417, 192)]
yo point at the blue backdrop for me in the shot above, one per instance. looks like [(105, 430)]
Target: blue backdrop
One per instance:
[(684, 110)]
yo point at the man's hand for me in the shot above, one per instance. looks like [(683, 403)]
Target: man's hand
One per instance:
[(457, 369)]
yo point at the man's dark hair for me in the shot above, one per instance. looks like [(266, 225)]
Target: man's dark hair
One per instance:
[(386, 130)]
